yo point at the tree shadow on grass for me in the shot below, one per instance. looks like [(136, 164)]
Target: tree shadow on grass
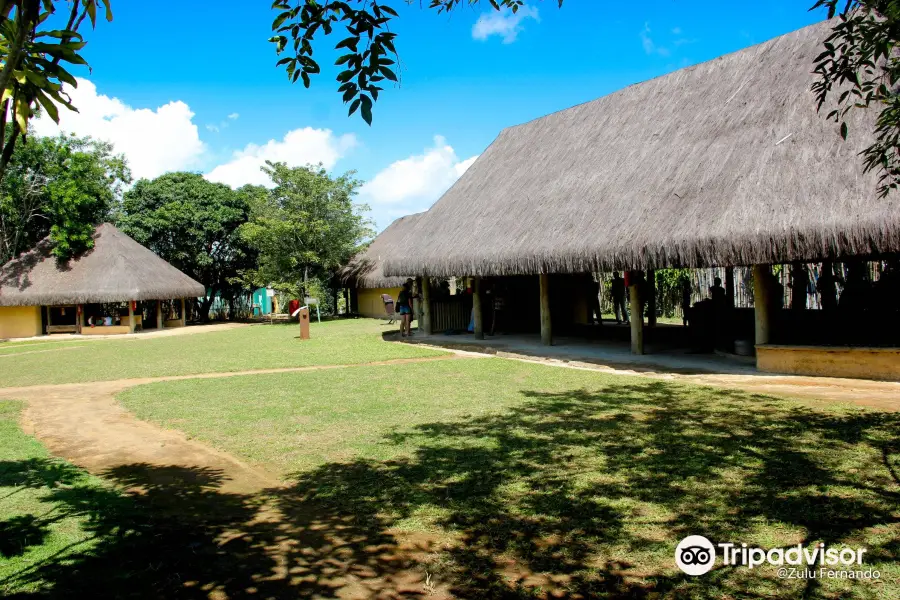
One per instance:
[(583, 493)]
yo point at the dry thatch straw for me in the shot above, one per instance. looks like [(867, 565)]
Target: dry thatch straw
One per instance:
[(116, 269), (366, 270), (723, 163)]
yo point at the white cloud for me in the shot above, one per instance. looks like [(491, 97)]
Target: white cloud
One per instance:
[(153, 140), (413, 184), (234, 116), (676, 31), (298, 147), (650, 47), (503, 23)]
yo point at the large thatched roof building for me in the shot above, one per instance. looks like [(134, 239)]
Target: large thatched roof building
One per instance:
[(724, 163), (366, 269), (116, 269), (365, 273)]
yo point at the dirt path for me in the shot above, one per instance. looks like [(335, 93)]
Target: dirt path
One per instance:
[(227, 529), (83, 423), (212, 525)]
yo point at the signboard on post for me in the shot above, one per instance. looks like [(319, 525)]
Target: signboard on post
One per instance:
[(314, 302)]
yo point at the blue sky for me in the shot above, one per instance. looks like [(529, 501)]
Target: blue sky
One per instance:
[(194, 87)]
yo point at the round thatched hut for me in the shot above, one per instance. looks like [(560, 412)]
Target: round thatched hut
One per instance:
[(118, 286)]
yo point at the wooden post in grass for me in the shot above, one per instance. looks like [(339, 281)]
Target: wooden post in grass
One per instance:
[(651, 298), (425, 325), (762, 302), (637, 315), (546, 324), (476, 308), (79, 310)]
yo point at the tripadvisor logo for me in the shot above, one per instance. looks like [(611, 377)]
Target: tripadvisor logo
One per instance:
[(696, 555)]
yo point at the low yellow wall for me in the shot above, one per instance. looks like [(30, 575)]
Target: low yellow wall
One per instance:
[(830, 361), (370, 302), (105, 330), (172, 323), (20, 321)]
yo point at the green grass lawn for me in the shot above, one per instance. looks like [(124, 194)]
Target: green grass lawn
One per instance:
[(586, 479), (45, 514), (254, 347)]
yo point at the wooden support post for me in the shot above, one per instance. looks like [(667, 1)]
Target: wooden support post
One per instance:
[(130, 317), (762, 302), (476, 308), (546, 324), (637, 315), (183, 319), (729, 287), (79, 310), (159, 315), (49, 318), (651, 298), (425, 325)]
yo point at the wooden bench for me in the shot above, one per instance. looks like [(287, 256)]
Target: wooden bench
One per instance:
[(61, 329)]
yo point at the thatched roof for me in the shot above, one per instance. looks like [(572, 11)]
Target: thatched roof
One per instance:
[(723, 163), (366, 270), (116, 269)]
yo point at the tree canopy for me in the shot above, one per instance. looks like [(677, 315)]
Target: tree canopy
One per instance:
[(193, 224), (859, 64), (34, 61), (61, 187), (305, 228)]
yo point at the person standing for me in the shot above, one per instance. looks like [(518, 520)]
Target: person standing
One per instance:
[(686, 292), (617, 291), (799, 285), (826, 286), (404, 308), (717, 292)]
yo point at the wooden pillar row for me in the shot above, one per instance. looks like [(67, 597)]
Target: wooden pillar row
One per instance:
[(476, 308), (546, 324), (425, 325), (637, 315), (762, 302)]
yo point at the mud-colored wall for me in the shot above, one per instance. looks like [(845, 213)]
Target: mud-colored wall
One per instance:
[(20, 321), (370, 303), (856, 363)]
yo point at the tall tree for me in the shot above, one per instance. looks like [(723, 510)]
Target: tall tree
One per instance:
[(861, 67), (193, 224), (31, 74), (61, 187), (305, 228)]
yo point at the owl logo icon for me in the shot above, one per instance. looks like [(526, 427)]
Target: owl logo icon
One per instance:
[(695, 555)]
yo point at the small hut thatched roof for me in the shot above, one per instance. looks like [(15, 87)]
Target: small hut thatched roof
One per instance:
[(116, 269), (366, 270), (723, 163)]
